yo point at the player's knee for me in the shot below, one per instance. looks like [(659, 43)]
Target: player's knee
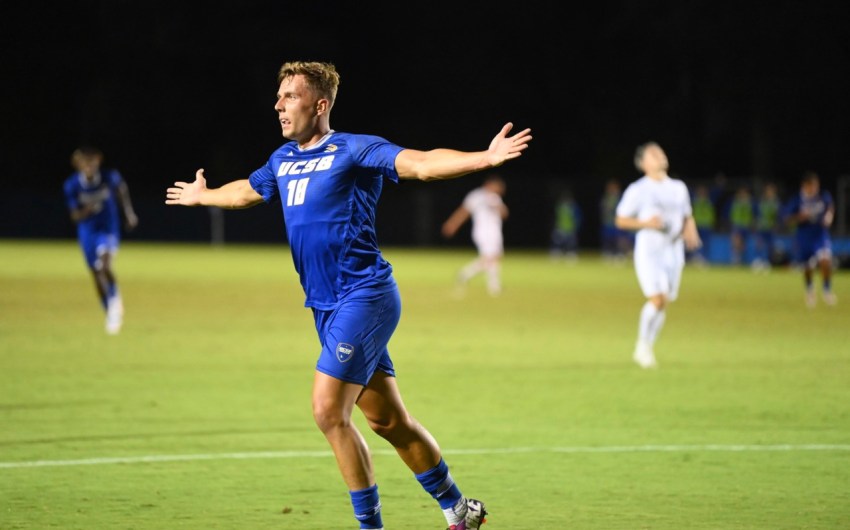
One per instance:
[(329, 415), (390, 427), (659, 301)]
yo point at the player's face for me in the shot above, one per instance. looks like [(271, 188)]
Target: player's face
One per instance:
[(296, 109), (810, 188), (87, 165), (654, 160)]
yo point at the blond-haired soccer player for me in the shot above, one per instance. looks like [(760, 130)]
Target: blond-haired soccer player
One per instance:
[(484, 205), (658, 208), (328, 183)]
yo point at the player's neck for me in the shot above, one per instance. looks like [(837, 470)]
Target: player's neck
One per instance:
[(657, 175), (318, 135)]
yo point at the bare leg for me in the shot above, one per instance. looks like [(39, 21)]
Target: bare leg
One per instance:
[(333, 402), (493, 265), (104, 278), (826, 272), (384, 409)]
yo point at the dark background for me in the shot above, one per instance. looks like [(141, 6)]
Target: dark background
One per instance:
[(753, 90)]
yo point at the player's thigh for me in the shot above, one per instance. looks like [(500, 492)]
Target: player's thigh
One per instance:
[(381, 402), (489, 245), (651, 274), (674, 279), (105, 248), (355, 337)]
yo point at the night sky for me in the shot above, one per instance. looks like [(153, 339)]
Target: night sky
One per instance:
[(743, 88)]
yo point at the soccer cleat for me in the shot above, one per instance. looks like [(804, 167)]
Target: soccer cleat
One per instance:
[(474, 518), (114, 315), (829, 298), (644, 356), (811, 299)]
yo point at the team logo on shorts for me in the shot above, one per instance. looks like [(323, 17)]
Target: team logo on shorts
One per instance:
[(344, 352)]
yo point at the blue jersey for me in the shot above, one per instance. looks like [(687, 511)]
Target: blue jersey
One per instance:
[(815, 208), (101, 194), (329, 193)]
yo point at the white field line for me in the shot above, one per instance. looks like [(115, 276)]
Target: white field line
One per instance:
[(266, 455)]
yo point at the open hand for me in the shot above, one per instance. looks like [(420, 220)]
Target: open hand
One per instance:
[(187, 193), (504, 147)]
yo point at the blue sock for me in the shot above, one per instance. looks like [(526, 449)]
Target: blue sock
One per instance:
[(367, 507), (827, 285), (111, 290), (439, 483)]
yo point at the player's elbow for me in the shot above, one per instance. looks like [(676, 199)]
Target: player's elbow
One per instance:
[(621, 222)]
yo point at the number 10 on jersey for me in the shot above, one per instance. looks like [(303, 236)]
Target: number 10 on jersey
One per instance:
[(297, 190)]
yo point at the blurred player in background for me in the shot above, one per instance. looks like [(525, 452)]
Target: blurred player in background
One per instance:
[(484, 205), (97, 200), (564, 238), (328, 184), (767, 226), (615, 243), (705, 217), (658, 208), (742, 222), (811, 212)]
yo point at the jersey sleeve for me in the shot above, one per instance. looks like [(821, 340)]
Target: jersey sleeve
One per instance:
[(687, 208), (69, 190), (114, 178), (375, 152), (628, 205), (470, 202), (264, 182)]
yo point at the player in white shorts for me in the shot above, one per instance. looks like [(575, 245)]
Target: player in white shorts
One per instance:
[(484, 205), (658, 208)]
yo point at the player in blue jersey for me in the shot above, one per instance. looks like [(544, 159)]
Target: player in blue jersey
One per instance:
[(328, 184), (97, 199), (811, 213)]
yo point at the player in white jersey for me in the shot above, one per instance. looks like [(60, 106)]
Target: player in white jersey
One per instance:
[(658, 208), (484, 205)]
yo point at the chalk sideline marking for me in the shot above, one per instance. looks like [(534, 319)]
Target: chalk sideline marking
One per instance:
[(266, 455)]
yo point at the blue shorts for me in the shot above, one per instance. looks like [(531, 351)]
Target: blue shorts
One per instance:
[(811, 250), (355, 335), (95, 245)]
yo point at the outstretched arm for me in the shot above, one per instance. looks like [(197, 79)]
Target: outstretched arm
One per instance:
[(455, 221), (439, 164), (233, 195)]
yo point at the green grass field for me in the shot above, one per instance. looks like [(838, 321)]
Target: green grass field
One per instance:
[(197, 416)]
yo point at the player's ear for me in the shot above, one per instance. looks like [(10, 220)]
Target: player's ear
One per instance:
[(323, 106)]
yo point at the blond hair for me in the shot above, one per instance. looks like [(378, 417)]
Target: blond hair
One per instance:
[(322, 78)]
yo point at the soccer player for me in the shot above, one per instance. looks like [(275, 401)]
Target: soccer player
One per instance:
[(658, 208), (767, 224), (811, 212), (97, 199), (565, 232), (484, 205), (328, 183)]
